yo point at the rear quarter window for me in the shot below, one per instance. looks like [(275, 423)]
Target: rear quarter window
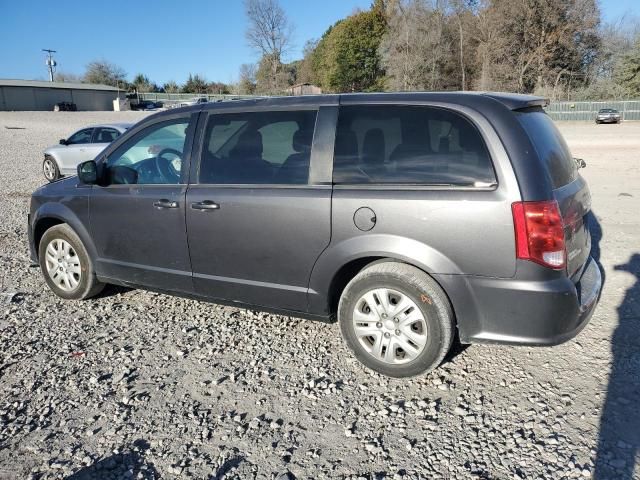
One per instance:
[(409, 145), (550, 146)]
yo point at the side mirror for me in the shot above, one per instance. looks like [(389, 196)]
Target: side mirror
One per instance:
[(88, 172), (63, 141)]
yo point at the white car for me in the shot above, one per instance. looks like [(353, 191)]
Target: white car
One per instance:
[(193, 101), (83, 145)]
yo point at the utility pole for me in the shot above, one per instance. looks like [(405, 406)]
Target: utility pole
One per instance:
[(50, 62)]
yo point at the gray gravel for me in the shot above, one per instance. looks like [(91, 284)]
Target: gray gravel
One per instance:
[(141, 385)]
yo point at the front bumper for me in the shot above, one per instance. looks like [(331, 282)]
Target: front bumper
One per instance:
[(523, 311), (608, 120)]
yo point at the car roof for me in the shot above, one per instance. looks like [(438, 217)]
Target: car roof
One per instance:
[(118, 126), (512, 101)]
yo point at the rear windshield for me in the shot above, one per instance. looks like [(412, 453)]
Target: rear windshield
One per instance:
[(550, 146)]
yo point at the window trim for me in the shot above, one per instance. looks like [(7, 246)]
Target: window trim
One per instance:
[(198, 152), (419, 186)]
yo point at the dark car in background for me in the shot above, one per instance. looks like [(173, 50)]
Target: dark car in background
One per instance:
[(65, 107), (409, 217), (146, 105), (608, 115)]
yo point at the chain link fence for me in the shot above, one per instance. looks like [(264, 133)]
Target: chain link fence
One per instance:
[(586, 111), (562, 111)]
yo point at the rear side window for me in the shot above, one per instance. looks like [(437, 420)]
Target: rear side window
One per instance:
[(385, 144), (105, 135), (258, 148), (550, 146)]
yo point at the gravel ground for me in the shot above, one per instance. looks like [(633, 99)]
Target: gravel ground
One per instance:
[(142, 385)]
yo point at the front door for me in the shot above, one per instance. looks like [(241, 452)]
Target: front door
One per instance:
[(75, 151), (138, 213), (256, 224)]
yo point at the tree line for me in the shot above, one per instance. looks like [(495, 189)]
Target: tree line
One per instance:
[(108, 73), (561, 49)]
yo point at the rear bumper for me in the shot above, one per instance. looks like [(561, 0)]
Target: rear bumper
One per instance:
[(523, 312)]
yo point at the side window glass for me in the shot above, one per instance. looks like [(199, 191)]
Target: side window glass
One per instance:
[(83, 136), (409, 145), (257, 148), (105, 135), (153, 156)]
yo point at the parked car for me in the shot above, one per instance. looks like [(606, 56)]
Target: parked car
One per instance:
[(608, 115), (146, 105), (65, 107), (85, 144), (409, 217), (193, 101)]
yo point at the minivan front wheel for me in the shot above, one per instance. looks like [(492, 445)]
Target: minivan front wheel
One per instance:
[(66, 265), (396, 319)]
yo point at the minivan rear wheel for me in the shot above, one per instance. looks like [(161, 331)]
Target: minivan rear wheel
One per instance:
[(396, 319), (66, 265)]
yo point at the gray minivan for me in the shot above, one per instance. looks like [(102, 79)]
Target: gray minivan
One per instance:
[(409, 217)]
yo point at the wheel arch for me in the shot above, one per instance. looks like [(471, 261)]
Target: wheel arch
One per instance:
[(338, 265), (52, 156), (50, 215)]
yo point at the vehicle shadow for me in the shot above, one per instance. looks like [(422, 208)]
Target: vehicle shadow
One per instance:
[(111, 290), (128, 464), (619, 434), (596, 237)]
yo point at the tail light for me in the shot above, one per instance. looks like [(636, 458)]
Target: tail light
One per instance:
[(540, 233)]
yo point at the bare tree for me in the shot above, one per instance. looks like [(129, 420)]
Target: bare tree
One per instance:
[(104, 72), (269, 33), (247, 79), (459, 9), (68, 77), (414, 46)]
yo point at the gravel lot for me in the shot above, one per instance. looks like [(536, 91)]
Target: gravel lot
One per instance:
[(141, 385)]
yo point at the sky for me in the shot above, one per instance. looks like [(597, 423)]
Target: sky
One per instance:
[(165, 40)]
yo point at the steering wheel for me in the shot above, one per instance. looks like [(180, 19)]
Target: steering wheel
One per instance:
[(165, 166)]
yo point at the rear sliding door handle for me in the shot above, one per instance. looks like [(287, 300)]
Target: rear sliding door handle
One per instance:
[(164, 203), (205, 205)]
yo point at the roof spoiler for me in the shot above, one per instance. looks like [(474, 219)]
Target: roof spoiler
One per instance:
[(536, 102)]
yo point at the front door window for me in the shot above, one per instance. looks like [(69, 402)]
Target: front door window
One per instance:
[(154, 156)]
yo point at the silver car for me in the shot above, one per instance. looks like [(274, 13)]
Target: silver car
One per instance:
[(83, 145), (608, 115)]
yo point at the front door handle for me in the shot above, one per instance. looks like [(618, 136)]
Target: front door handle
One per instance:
[(164, 203), (205, 205)]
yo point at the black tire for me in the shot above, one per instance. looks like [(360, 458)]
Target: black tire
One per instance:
[(88, 285), (426, 294), (50, 169)]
